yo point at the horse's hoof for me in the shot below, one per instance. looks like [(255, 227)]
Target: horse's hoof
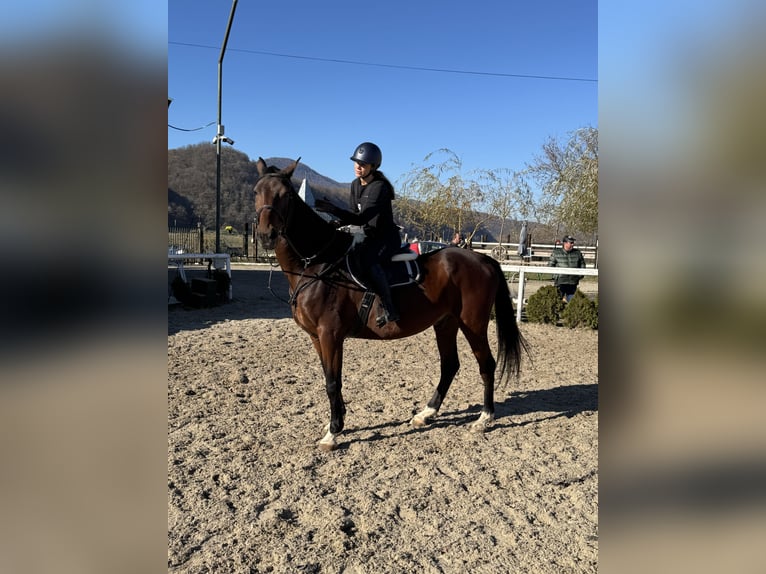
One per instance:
[(327, 446), (481, 424), (424, 417), (328, 443), (418, 422)]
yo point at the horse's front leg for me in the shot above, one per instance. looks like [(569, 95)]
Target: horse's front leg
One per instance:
[(446, 341), (331, 355)]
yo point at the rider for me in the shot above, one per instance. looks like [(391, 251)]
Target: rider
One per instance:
[(370, 202)]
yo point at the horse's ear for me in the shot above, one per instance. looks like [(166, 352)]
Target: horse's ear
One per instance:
[(288, 171), (261, 166)]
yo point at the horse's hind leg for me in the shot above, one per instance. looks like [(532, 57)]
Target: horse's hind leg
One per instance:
[(446, 340), (481, 350)]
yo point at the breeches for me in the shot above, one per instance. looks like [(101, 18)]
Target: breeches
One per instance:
[(370, 252)]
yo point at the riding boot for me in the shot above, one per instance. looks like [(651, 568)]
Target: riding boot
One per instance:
[(378, 279)]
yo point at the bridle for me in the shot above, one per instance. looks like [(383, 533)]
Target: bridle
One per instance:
[(282, 230), (272, 208)]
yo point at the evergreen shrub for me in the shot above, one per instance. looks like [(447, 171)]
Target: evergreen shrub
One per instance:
[(545, 306), (580, 312)]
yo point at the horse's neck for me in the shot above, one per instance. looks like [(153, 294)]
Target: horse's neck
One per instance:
[(295, 266), (311, 245), (289, 260), (308, 233)]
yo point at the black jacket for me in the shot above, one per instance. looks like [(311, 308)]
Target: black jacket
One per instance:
[(371, 208)]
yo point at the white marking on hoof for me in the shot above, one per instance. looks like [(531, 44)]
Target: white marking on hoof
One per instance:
[(481, 424), (328, 442), (423, 417)]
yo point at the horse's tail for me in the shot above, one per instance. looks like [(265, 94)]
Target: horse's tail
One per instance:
[(510, 341)]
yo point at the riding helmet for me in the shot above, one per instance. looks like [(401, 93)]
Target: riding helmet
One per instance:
[(368, 152)]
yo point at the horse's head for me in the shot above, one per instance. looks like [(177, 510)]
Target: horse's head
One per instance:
[(273, 193)]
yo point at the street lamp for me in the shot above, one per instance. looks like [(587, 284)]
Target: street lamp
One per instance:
[(219, 137)]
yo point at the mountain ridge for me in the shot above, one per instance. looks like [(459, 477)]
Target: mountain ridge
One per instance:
[(192, 185), (192, 190), (304, 171)]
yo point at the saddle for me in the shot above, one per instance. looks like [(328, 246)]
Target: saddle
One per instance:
[(402, 269)]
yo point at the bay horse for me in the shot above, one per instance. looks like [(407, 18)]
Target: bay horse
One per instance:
[(456, 290)]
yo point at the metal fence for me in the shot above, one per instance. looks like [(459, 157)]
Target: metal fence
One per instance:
[(186, 239), (240, 244)]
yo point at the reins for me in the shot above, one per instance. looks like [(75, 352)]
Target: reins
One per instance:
[(286, 223), (271, 274), (306, 260), (321, 276)]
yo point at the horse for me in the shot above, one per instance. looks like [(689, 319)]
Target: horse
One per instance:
[(456, 291)]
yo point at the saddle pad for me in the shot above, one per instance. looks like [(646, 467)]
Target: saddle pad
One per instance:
[(409, 256), (398, 273)]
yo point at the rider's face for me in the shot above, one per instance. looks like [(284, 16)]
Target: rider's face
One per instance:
[(362, 170)]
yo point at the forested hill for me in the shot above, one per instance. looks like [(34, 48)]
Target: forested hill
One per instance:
[(192, 185), (191, 191)]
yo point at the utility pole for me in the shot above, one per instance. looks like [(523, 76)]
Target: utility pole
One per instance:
[(219, 136)]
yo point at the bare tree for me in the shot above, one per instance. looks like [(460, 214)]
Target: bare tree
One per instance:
[(419, 205), (568, 176), (507, 196), (438, 196)]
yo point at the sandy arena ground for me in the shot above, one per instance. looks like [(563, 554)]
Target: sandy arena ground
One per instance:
[(248, 490)]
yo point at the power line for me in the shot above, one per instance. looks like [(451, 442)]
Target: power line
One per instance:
[(192, 129), (400, 67)]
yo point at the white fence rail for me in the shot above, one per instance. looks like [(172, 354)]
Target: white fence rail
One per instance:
[(522, 270), (536, 254), (223, 260)]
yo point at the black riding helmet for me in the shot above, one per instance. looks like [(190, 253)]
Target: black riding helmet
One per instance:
[(368, 152)]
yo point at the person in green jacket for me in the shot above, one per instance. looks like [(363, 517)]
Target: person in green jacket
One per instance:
[(567, 256)]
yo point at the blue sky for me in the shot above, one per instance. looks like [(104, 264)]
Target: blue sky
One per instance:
[(289, 89)]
